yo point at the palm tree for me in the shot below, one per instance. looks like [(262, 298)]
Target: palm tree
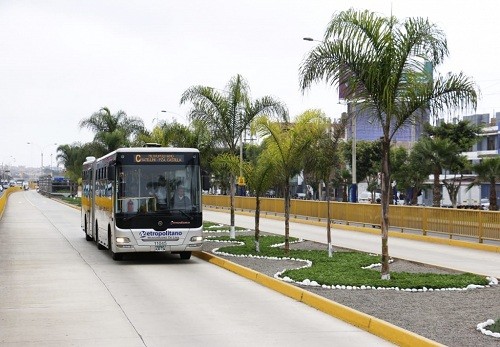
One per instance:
[(228, 114), (260, 177), (488, 170), (435, 154), (381, 61), (322, 160), (409, 173), (441, 149), (112, 130), (174, 134), (73, 156), (457, 165), (286, 144)]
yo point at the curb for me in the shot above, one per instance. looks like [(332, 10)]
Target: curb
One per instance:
[(375, 326)]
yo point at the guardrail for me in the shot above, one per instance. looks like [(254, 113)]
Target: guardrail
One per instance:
[(3, 197), (455, 223)]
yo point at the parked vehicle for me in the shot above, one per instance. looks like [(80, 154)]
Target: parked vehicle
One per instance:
[(485, 203)]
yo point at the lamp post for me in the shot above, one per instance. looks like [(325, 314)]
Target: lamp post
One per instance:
[(41, 153), (354, 186)]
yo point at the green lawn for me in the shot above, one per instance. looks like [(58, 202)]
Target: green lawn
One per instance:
[(344, 268)]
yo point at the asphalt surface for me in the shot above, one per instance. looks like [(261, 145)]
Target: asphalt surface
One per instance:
[(58, 289)]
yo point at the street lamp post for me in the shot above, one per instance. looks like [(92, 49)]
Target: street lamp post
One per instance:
[(41, 153), (354, 185)]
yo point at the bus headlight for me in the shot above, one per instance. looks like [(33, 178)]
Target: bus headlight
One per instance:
[(122, 240), (196, 239)]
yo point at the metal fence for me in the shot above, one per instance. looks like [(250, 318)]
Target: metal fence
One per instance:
[(455, 223)]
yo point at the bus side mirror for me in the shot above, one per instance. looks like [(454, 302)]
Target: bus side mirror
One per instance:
[(111, 173), (205, 180)]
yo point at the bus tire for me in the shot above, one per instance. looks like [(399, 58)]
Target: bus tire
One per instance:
[(185, 255)]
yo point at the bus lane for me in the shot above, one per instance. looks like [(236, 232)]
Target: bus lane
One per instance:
[(59, 289)]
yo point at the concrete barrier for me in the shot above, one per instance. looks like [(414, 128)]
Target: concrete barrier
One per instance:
[(4, 197)]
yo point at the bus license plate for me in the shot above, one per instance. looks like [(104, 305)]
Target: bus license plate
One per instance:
[(160, 246)]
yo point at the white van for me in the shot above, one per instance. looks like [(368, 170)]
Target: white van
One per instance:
[(366, 197)]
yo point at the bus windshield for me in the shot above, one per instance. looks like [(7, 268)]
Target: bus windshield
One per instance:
[(153, 188)]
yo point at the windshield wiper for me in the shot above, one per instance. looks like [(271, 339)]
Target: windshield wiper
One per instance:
[(183, 212), (126, 219)]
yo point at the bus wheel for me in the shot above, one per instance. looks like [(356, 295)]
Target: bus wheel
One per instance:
[(87, 236), (185, 255)]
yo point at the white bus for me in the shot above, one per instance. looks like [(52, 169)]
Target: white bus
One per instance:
[(129, 201)]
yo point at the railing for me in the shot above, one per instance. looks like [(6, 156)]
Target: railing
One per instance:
[(455, 223)]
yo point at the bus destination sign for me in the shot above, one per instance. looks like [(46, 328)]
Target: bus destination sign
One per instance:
[(159, 158)]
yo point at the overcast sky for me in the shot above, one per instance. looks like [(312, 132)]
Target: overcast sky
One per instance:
[(62, 60)]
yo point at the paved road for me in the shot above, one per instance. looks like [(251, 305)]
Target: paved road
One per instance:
[(58, 289), (464, 259)]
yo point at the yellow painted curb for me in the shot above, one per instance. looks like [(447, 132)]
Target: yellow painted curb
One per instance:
[(373, 325)]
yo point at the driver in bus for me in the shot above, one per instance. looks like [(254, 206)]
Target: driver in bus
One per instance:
[(180, 201), (161, 193)]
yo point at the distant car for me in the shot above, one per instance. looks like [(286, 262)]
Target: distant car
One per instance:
[(485, 203), (271, 193)]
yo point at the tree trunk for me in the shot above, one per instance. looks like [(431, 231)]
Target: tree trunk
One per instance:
[(328, 226), (386, 196), (414, 197), (436, 191), (232, 232), (257, 224), (287, 216), (493, 195)]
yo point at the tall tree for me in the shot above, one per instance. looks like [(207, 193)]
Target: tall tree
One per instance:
[(287, 144), (488, 170), (463, 133), (225, 165), (112, 131), (227, 114), (174, 134), (457, 165), (73, 156), (441, 148), (435, 154), (323, 160), (409, 173), (381, 61), (260, 177)]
